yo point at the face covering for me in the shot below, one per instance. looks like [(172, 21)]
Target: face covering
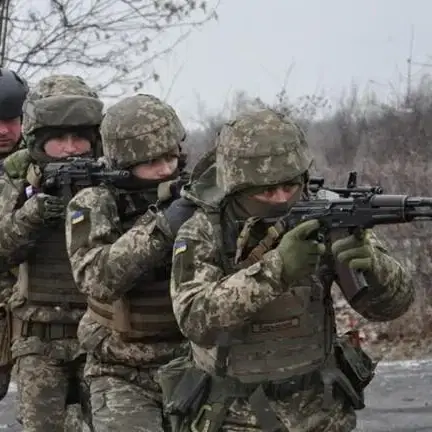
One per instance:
[(148, 189), (244, 205)]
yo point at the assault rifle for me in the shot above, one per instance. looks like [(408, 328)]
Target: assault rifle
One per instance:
[(68, 176), (356, 209)]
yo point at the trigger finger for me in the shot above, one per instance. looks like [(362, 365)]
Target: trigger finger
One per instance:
[(349, 254), (343, 244), (321, 248)]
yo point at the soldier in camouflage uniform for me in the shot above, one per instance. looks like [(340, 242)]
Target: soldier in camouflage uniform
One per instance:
[(13, 91), (61, 119), (264, 350), (120, 247)]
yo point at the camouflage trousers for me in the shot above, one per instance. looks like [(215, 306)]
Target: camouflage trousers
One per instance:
[(46, 388), (301, 413), (120, 405)]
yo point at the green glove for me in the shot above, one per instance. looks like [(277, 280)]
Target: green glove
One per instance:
[(355, 251), (299, 254)]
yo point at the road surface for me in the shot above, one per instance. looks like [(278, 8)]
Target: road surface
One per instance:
[(399, 399)]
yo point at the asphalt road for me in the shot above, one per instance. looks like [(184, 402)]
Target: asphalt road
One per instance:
[(399, 399)]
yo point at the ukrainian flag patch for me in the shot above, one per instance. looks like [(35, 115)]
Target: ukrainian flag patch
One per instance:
[(77, 217), (180, 247)]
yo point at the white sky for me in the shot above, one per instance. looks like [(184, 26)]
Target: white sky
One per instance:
[(330, 43)]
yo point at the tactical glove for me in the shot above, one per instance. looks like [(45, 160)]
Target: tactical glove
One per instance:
[(45, 208), (300, 254), (178, 212), (171, 189), (355, 251)]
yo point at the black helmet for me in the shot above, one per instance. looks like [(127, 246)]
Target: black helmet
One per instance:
[(13, 91)]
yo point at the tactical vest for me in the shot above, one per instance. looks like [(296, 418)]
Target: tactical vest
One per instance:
[(291, 336), (45, 279), (50, 280), (145, 313)]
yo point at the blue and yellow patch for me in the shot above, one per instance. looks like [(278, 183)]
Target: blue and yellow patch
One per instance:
[(180, 247), (77, 217)]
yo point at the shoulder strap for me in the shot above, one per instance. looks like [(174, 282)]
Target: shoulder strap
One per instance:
[(224, 339)]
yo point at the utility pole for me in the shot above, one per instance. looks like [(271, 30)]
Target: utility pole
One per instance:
[(409, 70)]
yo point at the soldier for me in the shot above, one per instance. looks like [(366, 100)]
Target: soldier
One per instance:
[(120, 248), (262, 331), (13, 91), (61, 119)]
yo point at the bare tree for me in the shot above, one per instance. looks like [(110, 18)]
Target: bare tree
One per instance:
[(112, 43)]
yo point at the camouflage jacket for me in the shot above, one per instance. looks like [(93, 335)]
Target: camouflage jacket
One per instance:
[(8, 278), (106, 261), (19, 233), (206, 300)]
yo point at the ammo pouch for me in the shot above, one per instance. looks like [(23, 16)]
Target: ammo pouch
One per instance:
[(6, 362), (74, 391), (44, 331), (184, 388), (195, 401), (357, 367), (76, 382)]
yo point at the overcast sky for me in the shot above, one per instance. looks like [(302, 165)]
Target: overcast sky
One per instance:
[(330, 43)]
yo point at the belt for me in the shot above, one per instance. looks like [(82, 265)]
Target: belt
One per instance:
[(276, 390), (48, 331)]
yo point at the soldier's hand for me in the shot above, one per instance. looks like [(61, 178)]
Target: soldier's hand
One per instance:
[(355, 251), (49, 185), (170, 189), (48, 207), (300, 254), (178, 212)]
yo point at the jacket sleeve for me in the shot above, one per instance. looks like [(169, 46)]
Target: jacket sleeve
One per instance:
[(106, 261), (19, 228), (391, 289), (206, 302)]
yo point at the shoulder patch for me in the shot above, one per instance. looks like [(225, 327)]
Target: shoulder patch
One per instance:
[(180, 247), (77, 216), (80, 228)]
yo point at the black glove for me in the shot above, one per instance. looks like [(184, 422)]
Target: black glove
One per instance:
[(178, 212), (50, 208), (49, 186)]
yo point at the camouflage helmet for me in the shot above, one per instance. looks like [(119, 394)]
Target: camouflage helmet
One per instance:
[(260, 149), (138, 129), (61, 101)]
